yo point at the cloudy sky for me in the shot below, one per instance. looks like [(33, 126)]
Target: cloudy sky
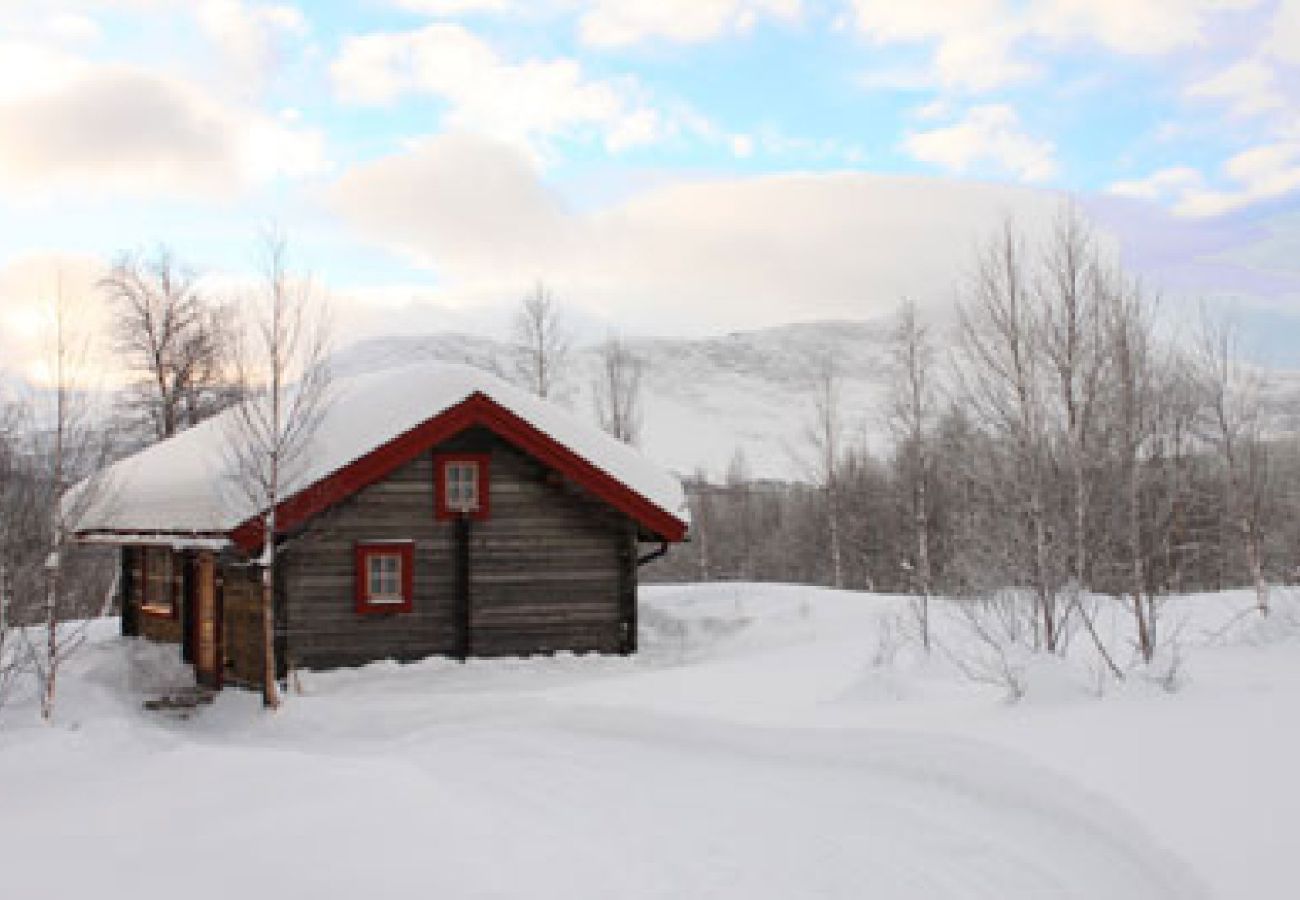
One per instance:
[(673, 166)]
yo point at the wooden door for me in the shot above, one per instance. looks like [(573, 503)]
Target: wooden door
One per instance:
[(207, 621), (241, 622)]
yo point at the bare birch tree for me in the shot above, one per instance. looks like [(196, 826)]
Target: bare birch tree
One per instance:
[(542, 343), (1071, 295), (72, 451), (912, 417), (283, 372), (172, 338), (12, 480), (1002, 372), (825, 436), (1132, 369), (1236, 429), (616, 390)]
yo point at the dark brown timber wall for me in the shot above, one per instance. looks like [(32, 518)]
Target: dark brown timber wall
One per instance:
[(550, 569)]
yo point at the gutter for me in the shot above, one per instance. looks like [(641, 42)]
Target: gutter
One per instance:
[(662, 550)]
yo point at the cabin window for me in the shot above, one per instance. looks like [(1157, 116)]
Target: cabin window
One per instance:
[(160, 585), (384, 576), (462, 485)]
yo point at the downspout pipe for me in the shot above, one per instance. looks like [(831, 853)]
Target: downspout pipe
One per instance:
[(661, 550)]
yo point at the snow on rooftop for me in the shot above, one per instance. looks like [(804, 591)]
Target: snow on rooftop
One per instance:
[(188, 483)]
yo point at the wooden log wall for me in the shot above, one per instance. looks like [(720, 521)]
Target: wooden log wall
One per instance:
[(551, 569)]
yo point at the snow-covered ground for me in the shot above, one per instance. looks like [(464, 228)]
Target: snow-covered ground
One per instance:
[(769, 742)]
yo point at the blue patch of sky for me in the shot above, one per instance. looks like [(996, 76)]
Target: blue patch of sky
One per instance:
[(1270, 338), (794, 94)]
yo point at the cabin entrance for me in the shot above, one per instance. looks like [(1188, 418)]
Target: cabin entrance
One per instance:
[(208, 653), (241, 625)]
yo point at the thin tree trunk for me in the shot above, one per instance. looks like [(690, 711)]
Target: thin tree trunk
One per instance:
[(270, 688), (54, 563), (922, 521), (833, 521), (1046, 598), (51, 642), (1255, 559), (1146, 641)]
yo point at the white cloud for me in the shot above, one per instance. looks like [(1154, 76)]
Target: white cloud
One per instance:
[(1261, 173), (617, 23), (897, 79), (777, 143), (1266, 172), (988, 134), (742, 146), (1146, 28), (935, 109), (455, 7), (73, 28), (621, 23), (250, 37), (1284, 32), (972, 38), (29, 68), (1161, 185), (702, 254), (521, 103), (1249, 87), (114, 128), (981, 45)]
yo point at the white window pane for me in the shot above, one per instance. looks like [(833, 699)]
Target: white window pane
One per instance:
[(385, 578), (462, 485)]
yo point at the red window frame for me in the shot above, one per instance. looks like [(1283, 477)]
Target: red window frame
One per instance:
[(365, 551), (440, 460)]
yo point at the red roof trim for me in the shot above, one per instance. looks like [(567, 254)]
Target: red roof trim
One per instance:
[(477, 409)]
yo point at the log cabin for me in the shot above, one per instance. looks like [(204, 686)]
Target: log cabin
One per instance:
[(434, 510)]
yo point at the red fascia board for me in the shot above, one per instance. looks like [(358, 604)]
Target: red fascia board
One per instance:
[(596, 481), (477, 409)]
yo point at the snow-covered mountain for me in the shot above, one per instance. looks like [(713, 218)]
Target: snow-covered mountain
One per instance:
[(704, 398)]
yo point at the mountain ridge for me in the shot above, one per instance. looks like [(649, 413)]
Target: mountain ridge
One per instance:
[(704, 399)]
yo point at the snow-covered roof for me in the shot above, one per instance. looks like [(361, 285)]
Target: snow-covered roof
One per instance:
[(189, 483)]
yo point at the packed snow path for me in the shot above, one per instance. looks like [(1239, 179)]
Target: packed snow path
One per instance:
[(582, 805), (756, 749)]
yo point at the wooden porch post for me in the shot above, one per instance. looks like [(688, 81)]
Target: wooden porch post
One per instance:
[(463, 614)]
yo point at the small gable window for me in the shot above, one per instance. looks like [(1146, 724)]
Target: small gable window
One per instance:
[(384, 576), (462, 485)]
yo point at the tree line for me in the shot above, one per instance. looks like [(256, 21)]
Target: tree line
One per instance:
[(1060, 440)]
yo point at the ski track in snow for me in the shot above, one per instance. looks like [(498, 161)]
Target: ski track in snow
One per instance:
[(585, 803)]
